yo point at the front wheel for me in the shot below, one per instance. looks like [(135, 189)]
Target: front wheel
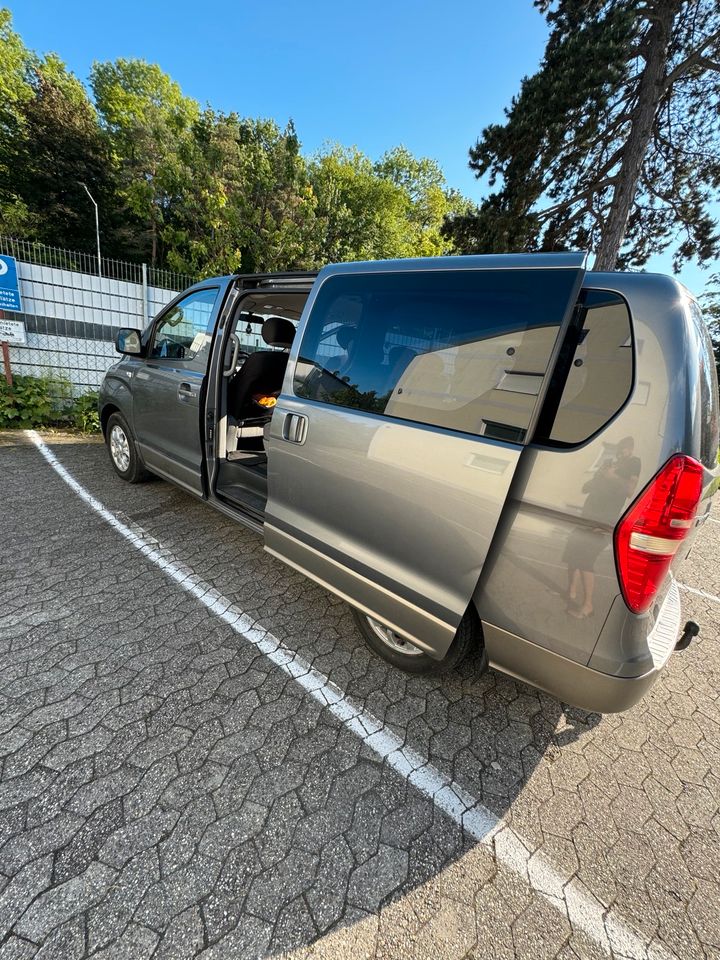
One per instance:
[(123, 452), (399, 652)]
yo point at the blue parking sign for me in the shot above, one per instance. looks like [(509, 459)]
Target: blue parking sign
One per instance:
[(9, 286)]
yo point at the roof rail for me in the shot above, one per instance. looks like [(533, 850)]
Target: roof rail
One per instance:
[(275, 279)]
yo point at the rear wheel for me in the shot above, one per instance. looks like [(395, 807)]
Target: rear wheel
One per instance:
[(398, 650), (123, 452)]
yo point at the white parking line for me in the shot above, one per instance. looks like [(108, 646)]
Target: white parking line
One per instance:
[(699, 593), (563, 890)]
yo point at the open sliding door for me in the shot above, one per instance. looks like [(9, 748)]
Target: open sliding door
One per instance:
[(410, 393)]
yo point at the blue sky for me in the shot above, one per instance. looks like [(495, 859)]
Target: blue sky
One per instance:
[(373, 74)]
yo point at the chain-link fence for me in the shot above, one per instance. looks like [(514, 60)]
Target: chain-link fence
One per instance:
[(71, 312)]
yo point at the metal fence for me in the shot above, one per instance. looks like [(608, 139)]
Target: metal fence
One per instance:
[(81, 262), (70, 314)]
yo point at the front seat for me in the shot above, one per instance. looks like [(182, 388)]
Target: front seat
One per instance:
[(262, 373), (344, 337)]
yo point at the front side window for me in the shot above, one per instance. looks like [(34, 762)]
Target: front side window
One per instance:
[(184, 332), (461, 349)]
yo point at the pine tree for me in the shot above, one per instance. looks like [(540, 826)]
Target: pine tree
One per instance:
[(614, 144)]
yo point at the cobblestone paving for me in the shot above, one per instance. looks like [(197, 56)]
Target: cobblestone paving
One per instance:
[(166, 791)]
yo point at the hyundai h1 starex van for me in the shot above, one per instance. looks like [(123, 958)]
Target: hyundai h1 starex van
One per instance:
[(505, 453)]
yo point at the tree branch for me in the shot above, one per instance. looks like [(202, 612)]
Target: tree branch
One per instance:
[(696, 58), (565, 204), (710, 64)]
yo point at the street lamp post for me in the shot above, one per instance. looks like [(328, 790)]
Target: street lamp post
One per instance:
[(97, 225)]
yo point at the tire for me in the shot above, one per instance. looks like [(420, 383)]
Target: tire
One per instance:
[(413, 660), (123, 453)]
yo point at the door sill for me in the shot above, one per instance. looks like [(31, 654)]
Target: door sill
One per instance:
[(243, 499), (243, 483)]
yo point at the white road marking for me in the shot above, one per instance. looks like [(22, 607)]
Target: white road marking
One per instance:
[(699, 593), (561, 889)]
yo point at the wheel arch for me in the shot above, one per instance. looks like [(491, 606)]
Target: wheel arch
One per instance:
[(107, 411)]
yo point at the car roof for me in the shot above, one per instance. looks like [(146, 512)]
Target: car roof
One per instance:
[(556, 260)]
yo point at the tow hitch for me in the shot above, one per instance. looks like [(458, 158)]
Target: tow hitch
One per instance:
[(690, 631)]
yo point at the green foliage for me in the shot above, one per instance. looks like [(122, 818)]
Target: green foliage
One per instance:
[(15, 59), (367, 211), (46, 402), (613, 145), (15, 91), (84, 414), (31, 401), (57, 147), (149, 124)]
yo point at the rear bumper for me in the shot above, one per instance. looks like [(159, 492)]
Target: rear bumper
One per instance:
[(565, 679), (627, 659)]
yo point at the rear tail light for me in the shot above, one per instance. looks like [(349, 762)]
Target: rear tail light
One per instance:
[(649, 535)]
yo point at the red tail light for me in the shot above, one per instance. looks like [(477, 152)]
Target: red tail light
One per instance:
[(649, 535)]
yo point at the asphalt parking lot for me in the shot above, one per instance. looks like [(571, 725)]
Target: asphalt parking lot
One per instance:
[(170, 788)]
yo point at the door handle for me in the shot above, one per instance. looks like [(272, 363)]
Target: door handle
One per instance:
[(186, 392), (229, 371), (294, 427)]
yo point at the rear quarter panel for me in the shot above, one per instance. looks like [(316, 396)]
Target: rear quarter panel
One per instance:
[(524, 584)]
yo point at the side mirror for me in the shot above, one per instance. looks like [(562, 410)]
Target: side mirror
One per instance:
[(128, 341)]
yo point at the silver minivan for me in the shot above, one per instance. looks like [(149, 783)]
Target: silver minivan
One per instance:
[(505, 454)]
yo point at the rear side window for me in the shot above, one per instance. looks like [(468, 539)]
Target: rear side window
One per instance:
[(465, 350), (601, 373), (708, 386)]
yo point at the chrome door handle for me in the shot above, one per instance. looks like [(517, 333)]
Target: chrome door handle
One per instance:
[(294, 427), (185, 392)]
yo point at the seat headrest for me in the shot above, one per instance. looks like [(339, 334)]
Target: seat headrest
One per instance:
[(278, 332), (345, 335)]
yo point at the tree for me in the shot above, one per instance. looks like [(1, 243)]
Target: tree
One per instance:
[(57, 146), (360, 216), (16, 62), (49, 142), (276, 208), (613, 145), (367, 211), (148, 121), (428, 200), (249, 206)]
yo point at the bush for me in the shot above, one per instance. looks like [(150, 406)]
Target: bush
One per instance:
[(84, 413), (45, 402), (28, 403)]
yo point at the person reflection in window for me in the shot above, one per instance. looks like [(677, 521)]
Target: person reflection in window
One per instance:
[(607, 493)]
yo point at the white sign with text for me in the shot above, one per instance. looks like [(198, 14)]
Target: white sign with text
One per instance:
[(13, 331)]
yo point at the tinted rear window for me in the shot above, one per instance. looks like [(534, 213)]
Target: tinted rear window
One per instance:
[(708, 384), (465, 350), (601, 372)]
